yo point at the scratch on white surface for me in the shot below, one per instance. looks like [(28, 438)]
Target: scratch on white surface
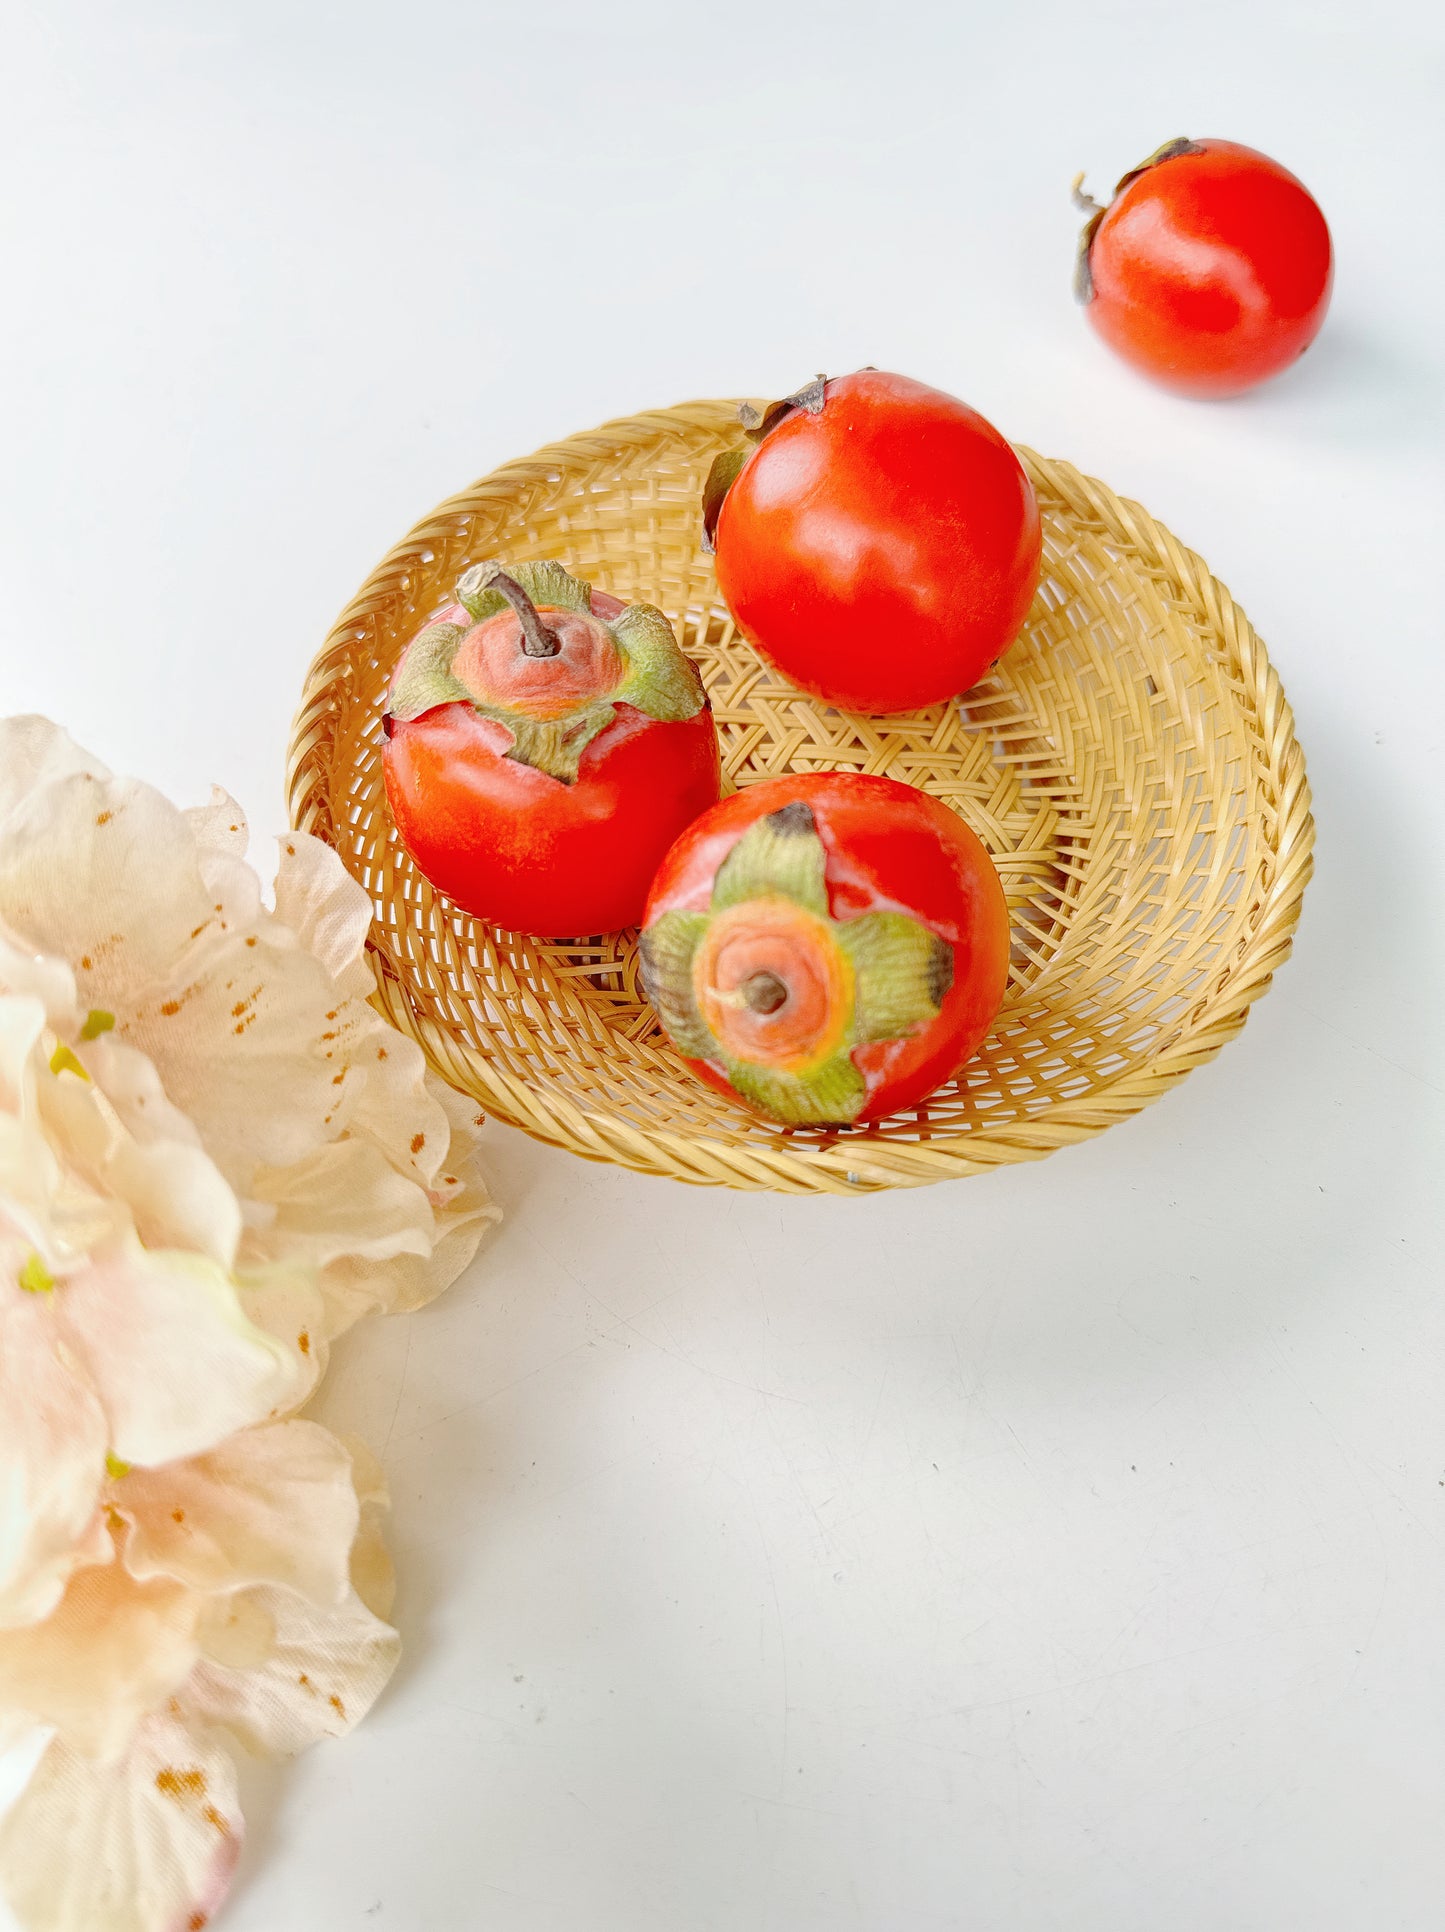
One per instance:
[(814, 1509), (787, 1710), (400, 1392), (873, 1419), (1066, 1687), (1347, 1458), (483, 1396), (556, 1260), (783, 1742), (678, 1354), (1343, 1033), (737, 1222)]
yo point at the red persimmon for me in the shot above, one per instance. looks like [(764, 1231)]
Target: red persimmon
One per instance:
[(827, 947), (1210, 269), (879, 541), (545, 744)]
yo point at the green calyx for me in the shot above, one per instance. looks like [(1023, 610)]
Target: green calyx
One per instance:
[(552, 745), (784, 1034), (660, 680), (545, 583), (901, 970), (655, 676), (831, 1096), (668, 948), (424, 679), (1096, 211), (780, 856), (726, 467)]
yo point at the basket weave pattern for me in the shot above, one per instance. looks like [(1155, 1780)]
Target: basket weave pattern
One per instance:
[(1131, 765)]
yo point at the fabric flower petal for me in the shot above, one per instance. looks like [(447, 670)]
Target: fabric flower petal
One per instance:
[(176, 1195), (382, 1242), (236, 1630), (220, 836), (240, 1043), (42, 1205), (372, 1575), (327, 910), (219, 826), (342, 1199), (132, 1085), (388, 1100), (147, 1842), (463, 1211), (174, 1360), (30, 1175), (325, 1671), (38, 976), (52, 1463), (101, 871), (34, 752), (289, 1306), (22, 1026), (113, 1650), (273, 1504)]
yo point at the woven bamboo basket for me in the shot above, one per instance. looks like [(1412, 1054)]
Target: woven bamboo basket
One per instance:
[(1131, 765)]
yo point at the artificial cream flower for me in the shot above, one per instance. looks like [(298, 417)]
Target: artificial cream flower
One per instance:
[(342, 1154), (241, 1599), (214, 1155), (121, 1336)]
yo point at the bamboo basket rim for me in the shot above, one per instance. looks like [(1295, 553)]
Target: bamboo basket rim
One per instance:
[(851, 1163)]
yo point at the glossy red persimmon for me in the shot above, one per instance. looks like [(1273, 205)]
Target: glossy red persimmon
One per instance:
[(880, 543), (1210, 269), (540, 791), (828, 947)]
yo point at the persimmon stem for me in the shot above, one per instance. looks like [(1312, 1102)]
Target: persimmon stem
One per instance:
[(764, 993), (537, 639), (1085, 203)]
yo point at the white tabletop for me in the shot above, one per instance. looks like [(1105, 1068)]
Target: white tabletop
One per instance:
[(1061, 1549)]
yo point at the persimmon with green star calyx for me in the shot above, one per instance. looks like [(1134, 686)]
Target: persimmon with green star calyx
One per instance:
[(877, 540), (545, 743), (827, 948)]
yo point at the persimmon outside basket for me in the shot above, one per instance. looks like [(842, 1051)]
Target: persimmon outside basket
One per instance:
[(1131, 765)]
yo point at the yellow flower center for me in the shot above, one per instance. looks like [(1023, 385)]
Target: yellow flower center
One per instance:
[(34, 1277)]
